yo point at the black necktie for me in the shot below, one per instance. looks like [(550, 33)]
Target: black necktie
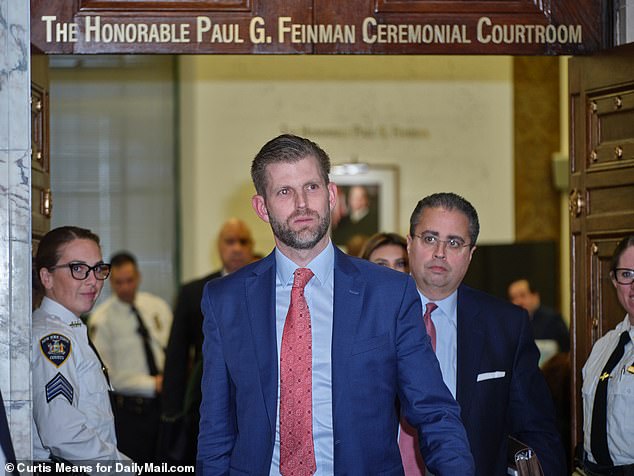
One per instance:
[(5, 438), (598, 433), (147, 346), (104, 369)]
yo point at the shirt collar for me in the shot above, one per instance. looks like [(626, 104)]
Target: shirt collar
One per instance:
[(321, 266), (626, 325), (448, 306), (56, 309), (124, 305)]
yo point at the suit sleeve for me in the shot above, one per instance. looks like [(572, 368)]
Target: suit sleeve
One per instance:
[(217, 418), (531, 409), (177, 356), (162, 324), (563, 334), (426, 401)]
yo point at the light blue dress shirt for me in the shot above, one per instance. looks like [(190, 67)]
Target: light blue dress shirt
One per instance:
[(445, 318), (319, 293)]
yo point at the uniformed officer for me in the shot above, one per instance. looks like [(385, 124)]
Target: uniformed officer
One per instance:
[(71, 408), (608, 381), (130, 331)]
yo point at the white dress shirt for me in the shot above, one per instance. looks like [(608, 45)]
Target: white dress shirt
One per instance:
[(620, 401), (445, 319), (319, 293), (113, 328)]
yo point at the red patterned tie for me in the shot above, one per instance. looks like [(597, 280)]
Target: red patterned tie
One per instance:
[(413, 464), (297, 453), (429, 324)]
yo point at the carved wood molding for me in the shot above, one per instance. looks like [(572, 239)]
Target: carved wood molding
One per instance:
[(171, 5), (456, 6)]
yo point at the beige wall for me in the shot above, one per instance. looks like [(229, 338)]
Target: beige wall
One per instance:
[(458, 111), (564, 253)]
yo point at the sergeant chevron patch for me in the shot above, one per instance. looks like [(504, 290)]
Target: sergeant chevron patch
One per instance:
[(57, 386)]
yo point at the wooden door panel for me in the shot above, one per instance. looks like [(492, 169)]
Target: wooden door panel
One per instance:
[(605, 310), (41, 201), (602, 196), (171, 5), (611, 203), (455, 6), (39, 127), (611, 127)]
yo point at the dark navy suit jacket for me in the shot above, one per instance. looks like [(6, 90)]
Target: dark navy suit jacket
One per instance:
[(5, 439), (380, 351), (495, 337)]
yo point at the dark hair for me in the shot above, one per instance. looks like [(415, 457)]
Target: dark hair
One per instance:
[(623, 245), (48, 251), (448, 201), (286, 148), (531, 288), (122, 257), (382, 239)]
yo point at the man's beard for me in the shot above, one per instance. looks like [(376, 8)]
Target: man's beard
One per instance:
[(305, 238)]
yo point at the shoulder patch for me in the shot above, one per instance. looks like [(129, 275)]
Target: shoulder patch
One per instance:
[(56, 348), (57, 386)]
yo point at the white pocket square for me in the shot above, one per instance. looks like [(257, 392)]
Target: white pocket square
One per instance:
[(490, 375)]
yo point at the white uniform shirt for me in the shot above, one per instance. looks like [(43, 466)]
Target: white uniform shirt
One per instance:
[(620, 402), (114, 331), (72, 417)]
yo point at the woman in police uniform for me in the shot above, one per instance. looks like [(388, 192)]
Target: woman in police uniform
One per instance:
[(608, 382), (71, 408)]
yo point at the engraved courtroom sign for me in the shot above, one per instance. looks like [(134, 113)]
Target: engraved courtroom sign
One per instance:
[(318, 26)]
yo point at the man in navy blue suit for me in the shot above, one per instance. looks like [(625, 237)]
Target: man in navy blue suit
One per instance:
[(368, 347), (484, 345), (7, 455)]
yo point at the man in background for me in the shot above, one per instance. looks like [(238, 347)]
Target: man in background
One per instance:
[(547, 323), (130, 331), (181, 395), (553, 340), (484, 345)]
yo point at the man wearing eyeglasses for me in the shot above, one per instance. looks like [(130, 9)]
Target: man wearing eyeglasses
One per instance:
[(130, 330), (484, 345)]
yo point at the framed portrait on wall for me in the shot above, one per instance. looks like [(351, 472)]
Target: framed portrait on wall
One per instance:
[(367, 202)]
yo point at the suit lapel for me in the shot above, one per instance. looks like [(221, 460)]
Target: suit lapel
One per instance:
[(5, 436), (348, 301), (470, 346), (260, 300)]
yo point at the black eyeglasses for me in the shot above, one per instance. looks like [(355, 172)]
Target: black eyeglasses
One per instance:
[(80, 271), (624, 275)]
